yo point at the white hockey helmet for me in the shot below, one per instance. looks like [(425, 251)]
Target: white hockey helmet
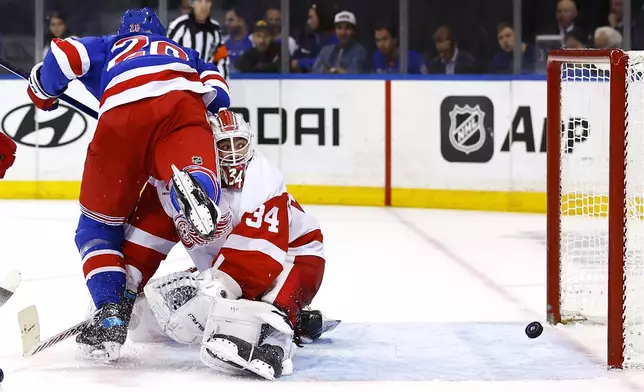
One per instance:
[(234, 143)]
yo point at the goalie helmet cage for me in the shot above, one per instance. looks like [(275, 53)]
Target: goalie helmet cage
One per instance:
[(595, 193)]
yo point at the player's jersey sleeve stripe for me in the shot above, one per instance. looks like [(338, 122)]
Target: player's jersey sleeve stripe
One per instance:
[(215, 79), (71, 56), (147, 240), (242, 243), (315, 235), (315, 248)]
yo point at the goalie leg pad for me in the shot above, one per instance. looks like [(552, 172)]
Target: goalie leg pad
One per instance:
[(181, 301), (179, 310)]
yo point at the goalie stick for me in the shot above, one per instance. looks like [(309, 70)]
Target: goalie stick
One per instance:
[(9, 286), (6, 64), (30, 332)]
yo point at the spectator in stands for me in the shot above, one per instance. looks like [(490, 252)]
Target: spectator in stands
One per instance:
[(503, 60), (576, 40), (238, 41), (347, 56), (607, 37), (320, 32), (566, 18), (57, 29), (264, 57), (274, 19), (450, 59), (387, 58), (615, 15)]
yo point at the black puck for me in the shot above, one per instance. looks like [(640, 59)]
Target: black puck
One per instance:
[(1, 375), (534, 329)]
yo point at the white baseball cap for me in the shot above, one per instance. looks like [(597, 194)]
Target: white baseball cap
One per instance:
[(345, 16)]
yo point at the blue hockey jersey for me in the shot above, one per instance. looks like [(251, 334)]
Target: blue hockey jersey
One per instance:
[(119, 69)]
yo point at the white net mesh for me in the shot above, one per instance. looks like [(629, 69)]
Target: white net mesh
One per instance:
[(634, 244), (585, 115)]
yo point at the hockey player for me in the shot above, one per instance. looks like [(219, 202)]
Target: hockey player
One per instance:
[(267, 257), (7, 153), (153, 96)]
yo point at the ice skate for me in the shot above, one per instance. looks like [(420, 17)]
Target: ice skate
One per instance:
[(103, 337)]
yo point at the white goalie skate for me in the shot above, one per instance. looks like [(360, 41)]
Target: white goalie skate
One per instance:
[(200, 211), (249, 335)]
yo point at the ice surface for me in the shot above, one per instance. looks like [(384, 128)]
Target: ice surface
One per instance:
[(430, 300)]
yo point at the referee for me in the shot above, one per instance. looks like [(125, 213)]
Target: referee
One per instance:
[(197, 31)]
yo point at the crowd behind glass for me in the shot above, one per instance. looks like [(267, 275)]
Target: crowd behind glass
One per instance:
[(352, 36)]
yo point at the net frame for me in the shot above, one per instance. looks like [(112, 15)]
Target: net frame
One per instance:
[(617, 60)]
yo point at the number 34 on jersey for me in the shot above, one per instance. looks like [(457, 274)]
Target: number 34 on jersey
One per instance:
[(269, 221)]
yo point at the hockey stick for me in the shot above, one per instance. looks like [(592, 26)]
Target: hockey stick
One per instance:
[(9, 286), (30, 332), (4, 63)]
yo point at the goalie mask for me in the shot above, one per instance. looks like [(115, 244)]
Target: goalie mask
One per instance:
[(233, 140)]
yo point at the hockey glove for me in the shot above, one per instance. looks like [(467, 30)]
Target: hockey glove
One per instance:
[(7, 153), (37, 93)]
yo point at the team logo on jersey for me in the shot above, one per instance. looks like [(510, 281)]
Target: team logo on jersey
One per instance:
[(57, 128), (467, 129), (190, 238), (197, 160)]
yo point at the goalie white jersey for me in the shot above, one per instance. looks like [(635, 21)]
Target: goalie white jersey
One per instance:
[(263, 182), (264, 239)]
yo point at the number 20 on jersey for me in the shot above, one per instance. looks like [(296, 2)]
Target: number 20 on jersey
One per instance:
[(139, 45)]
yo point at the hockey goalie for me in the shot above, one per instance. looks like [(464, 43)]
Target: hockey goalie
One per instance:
[(245, 304)]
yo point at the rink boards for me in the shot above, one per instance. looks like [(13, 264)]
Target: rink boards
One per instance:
[(474, 144)]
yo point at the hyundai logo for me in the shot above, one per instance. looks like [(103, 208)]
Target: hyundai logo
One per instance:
[(57, 128)]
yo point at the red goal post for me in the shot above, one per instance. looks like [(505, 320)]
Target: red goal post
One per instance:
[(590, 209)]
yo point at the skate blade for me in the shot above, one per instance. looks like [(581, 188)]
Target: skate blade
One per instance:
[(199, 215), (225, 353), (211, 360), (329, 325), (108, 354)]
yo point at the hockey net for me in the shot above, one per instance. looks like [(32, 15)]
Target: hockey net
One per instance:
[(596, 195)]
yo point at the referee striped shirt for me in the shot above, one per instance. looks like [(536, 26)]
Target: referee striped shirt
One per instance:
[(205, 38)]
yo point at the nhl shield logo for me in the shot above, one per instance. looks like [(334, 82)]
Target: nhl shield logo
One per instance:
[(466, 130)]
